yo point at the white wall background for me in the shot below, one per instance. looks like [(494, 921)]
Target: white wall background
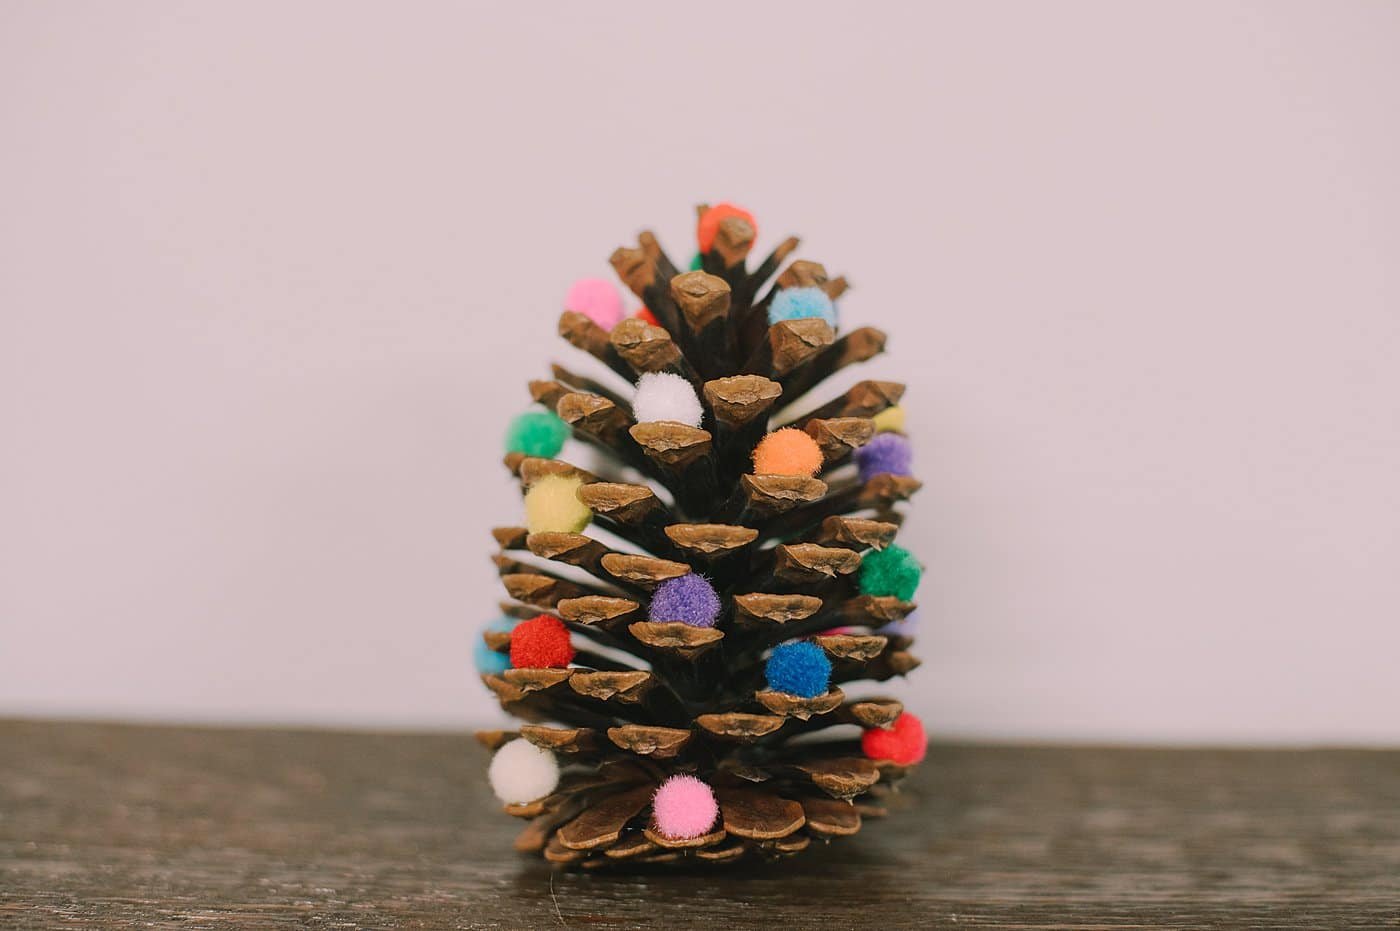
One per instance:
[(273, 276)]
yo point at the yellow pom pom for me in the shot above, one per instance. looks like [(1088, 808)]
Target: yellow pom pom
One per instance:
[(788, 451), (552, 506), (889, 420)]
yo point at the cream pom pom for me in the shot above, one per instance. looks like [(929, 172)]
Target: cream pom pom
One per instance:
[(552, 506), (663, 396), (522, 772)]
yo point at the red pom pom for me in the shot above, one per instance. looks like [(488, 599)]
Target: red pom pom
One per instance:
[(541, 642), (710, 220), (904, 743), (646, 314)]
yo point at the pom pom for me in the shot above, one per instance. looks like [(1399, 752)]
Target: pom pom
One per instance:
[(488, 661), (522, 772), (710, 220), (788, 451), (689, 599), (904, 743), (886, 453), (663, 396), (646, 315), (697, 262), (890, 571), (552, 505), (537, 433), (798, 669), (542, 642), (905, 626), (597, 299), (801, 303), (891, 419), (684, 807)]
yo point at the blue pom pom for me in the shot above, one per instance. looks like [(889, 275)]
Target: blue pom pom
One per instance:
[(800, 669), (800, 303), (488, 661)]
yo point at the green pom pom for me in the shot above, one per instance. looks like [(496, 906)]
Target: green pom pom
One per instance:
[(891, 571), (537, 433), (697, 263)]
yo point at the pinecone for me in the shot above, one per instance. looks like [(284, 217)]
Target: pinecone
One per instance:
[(677, 693)]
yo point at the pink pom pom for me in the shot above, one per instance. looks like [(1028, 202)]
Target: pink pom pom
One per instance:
[(597, 299), (684, 807)]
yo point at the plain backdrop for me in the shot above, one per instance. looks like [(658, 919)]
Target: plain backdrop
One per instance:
[(273, 277)]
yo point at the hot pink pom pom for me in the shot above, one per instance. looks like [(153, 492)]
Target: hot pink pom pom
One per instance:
[(597, 299), (684, 807)]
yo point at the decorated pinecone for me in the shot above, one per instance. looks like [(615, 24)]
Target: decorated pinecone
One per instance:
[(729, 571)]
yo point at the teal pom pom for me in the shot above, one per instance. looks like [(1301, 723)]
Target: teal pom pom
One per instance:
[(800, 669), (488, 661), (891, 571), (801, 303), (697, 263), (537, 433)]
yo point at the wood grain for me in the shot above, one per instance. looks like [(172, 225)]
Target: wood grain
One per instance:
[(109, 826)]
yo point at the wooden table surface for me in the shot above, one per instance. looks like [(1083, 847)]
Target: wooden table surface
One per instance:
[(108, 826)]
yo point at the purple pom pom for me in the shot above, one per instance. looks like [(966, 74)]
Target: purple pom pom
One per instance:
[(689, 599), (887, 452)]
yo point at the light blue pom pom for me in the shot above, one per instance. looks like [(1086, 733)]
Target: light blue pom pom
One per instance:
[(488, 661), (800, 303)]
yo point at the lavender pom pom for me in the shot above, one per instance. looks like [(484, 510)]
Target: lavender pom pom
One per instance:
[(887, 452), (689, 599), (905, 626)]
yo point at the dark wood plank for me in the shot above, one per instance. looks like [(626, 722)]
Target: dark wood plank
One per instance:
[(106, 826)]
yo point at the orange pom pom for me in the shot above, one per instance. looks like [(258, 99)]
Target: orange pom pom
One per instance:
[(788, 451), (710, 220), (646, 314)]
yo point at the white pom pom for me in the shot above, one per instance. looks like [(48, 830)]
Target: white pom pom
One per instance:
[(663, 396), (521, 772)]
